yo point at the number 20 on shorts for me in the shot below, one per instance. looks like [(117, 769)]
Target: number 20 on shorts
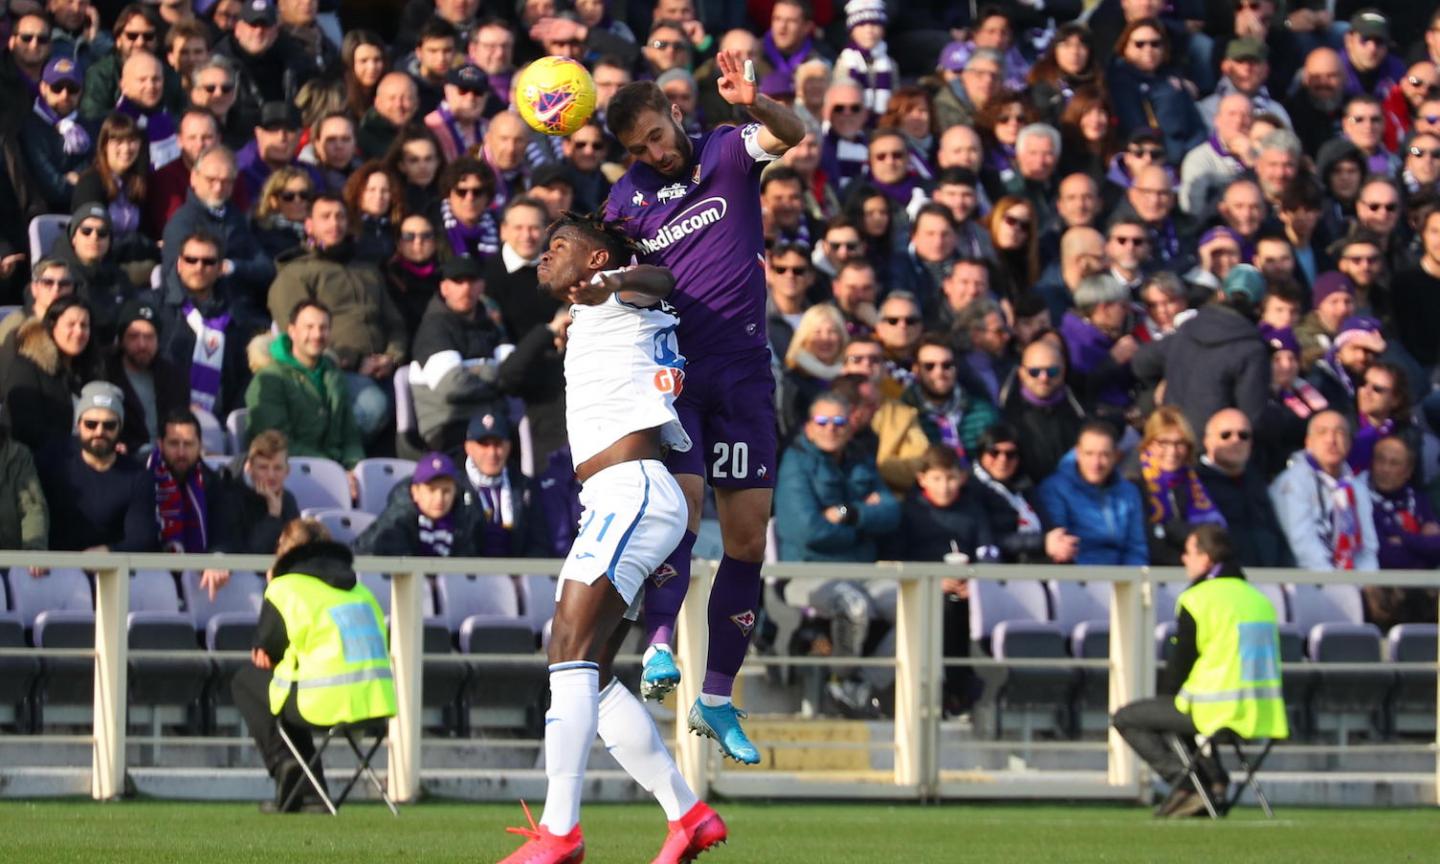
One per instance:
[(732, 461)]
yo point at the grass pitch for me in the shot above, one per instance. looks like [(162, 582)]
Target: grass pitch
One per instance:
[(150, 832)]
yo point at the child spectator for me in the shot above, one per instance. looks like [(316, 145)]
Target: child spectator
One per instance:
[(865, 60)]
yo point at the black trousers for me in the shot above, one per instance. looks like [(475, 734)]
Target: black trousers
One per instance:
[(1145, 724), (250, 688)]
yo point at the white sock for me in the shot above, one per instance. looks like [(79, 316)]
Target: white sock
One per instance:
[(709, 700), (630, 735), (569, 731)]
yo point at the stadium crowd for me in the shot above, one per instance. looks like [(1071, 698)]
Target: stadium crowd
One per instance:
[(1049, 281)]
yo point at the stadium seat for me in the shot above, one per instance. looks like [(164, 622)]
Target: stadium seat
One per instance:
[(374, 478), (1348, 701), (165, 690), (1310, 605), (17, 675), (460, 596), (154, 591), (66, 590), (1166, 594), (44, 230), (1078, 602), (235, 430), (1412, 703), (318, 482), (408, 443), (238, 602), (537, 600), (1011, 620), (67, 683), (506, 694), (218, 463), (226, 631), (7, 311), (212, 437), (442, 683), (344, 525), (1298, 679)]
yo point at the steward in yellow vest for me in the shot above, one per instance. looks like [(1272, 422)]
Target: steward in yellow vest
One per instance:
[(1223, 673), (321, 656)]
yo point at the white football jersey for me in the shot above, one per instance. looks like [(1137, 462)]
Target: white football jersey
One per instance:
[(623, 370)]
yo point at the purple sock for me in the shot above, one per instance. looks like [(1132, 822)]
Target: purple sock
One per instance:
[(665, 592), (733, 602)]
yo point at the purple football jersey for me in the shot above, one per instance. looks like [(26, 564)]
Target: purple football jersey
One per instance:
[(706, 228)]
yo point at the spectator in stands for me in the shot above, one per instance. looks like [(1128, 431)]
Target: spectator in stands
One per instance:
[(368, 333), (1010, 503), (432, 61), (271, 65), (302, 393), (1382, 410), (1163, 298), (1238, 491), (1339, 373), (1146, 92), (412, 275), (1015, 235), (1293, 401), (136, 30), (514, 522), (492, 48), (210, 206), (467, 190), (1408, 535), (1369, 66), (1212, 164), (425, 517), (455, 348), (375, 197), (87, 248), (283, 202), (204, 331), (853, 292), (1332, 301), (186, 47), (1322, 505), (100, 499), (1364, 126), (141, 99), (458, 121), (952, 414), (116, 182), (258, 506), (50, 279), (1082, 253), (53, 356), (1416, 291), (958, 190), (1128, 252), (24, 516), (189, 495), (212, 90), (788, 277), (832, 506), (1243, 72), (165, 189), (1088, 498), (1097, 335), (1422, 167), (889, 170), (843, 152), (812, 361), (1361, 256), (1213, 689), (584, 152), (1067, 68), (1078, 206), (503, 150), (273, 146), (332, 152), (984, 346), (1175, 500), (153, 387), (1043, 411), (788, 43), (1215, 360), (397, 100), (888, 429), (28, 49), (970, 85), (1037, 153), (1299, 211), (58, 144), (1088, 137), (898, 330), (312, 578), (782, 207), (550, 184)]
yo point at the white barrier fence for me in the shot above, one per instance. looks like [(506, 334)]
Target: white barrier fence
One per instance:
[(918, 663)]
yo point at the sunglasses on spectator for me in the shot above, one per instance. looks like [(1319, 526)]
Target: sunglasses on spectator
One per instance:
[(417, 236), (1419, 152), (1126, 240), (1377, 389), (588, 145), (107, 425), (97, 231), (839, 421), (1376, 206), (138, 35), (1003, 452), (1145, 43), (899, 320), (66, 87), (212, 89), (34, 38), (668, 45), (938, 364), (1239, 434), (52, 282), (468, 192), (847, 108), (1417, 81), (1043, 371), (1366, 118), (1361, 259), (1015, 222), (290, 197), (847, 245), (867, 359), (199, 260), (798, 270), (1147, 152), (888, 156)]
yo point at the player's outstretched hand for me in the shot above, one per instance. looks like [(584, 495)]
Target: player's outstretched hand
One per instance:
[(737, 81), (593, 293)]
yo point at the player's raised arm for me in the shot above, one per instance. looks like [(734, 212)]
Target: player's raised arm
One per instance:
[(781, 128), (641, 284)]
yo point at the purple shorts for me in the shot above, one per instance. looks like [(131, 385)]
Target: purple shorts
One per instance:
[(727, 406)]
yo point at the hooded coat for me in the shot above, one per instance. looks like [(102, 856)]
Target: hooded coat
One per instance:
[(1109, 519), (309, 406), (40, 389), (1215, 360), (364, 320)]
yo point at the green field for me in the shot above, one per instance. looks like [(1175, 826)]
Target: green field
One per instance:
[(162, 832)]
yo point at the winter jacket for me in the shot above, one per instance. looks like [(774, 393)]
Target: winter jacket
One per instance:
[(253, 269), (927, 532), (172, 393), (114, 508), (1249, 516), (40, 389), (49, 163), (102, 89), (976, 414), (901, 442), (1400, 517), (530, 529), (24, 516), (326, 560), (363, 318), (1108, 519), (246, 519), (446, 390), (1171, 107), (1303, 503), (309, 406), (397, 530), (275, 76), (1215, 360), (1016, 546), (811, 481), (177, 342), (1046, 432), (103, 285), (411, 289)]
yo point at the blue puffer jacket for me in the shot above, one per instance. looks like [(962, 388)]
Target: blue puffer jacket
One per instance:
[(1175, 114), (1109, 519), (811, 481)]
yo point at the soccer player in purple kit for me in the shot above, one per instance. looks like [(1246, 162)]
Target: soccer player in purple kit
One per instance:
[(693, 206)]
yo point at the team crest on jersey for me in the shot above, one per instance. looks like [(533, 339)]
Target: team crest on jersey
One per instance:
[(664, 573), (745, 621), (673, 192), (669, 380), (639, 199)]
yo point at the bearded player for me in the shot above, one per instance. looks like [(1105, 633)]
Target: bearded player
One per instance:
[(622, 371), (693, 206)]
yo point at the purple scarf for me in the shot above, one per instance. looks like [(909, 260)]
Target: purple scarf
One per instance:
[(76, 139), (1367, 435), (179, 507), (456, 132), (159, 129), (1231, 161), (1047, 402), (901, 193), (1164, 490), (469, 241), (783, 65), (437, 536), (882, 79), (124, 216)]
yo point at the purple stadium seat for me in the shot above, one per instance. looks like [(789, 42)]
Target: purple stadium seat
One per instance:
[(992, 602), (1324, 604), (1412, 705), (212, 437), (496, 634), (65, 590), (1075, 603), (1348, 697), (17, 674), (318, 482), (537, 599), (67, 680), (153, 591), (1276, 595), (239, 600), (379, 585), (461, 596), (344, 525), (502, 695), (178, 679), (235, 430), (374, 478)]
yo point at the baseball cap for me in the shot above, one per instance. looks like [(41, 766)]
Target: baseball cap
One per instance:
[(1362, 331), (1279, 338), (551, 172), (1330, 283), (102, 395), (1370, 24), (61, 68), (1247, 48), (1245, 280), (457, 269), (278, 115), (953, 57), (1146, 133), (433, 466), (136, 310), (468, 76), (490, 424), (259, 12)]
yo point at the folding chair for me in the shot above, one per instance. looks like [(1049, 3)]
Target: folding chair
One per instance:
[(365, 728), (1248, 764)]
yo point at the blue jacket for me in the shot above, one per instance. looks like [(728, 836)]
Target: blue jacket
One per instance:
[(1174, 111), (811, 481), (1109, 519)]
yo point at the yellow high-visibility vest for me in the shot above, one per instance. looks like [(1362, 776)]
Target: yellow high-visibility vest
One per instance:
[(1235, 682)]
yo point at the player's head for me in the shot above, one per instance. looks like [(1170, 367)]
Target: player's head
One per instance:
[(648, 125), (577, 248)]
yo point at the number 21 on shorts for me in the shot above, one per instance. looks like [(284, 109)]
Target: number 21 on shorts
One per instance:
[(732, 461)]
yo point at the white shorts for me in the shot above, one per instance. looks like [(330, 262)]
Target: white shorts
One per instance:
[(632, 519)]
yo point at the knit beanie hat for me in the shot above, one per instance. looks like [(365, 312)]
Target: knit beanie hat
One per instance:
[(859, 12), (1326, 284)]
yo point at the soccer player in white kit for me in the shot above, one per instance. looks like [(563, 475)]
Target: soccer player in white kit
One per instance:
[(622, 372)]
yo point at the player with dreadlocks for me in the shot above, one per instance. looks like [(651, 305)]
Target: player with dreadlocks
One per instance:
[(622, 373)]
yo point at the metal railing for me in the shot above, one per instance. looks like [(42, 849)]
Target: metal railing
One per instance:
[(918, 663)]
